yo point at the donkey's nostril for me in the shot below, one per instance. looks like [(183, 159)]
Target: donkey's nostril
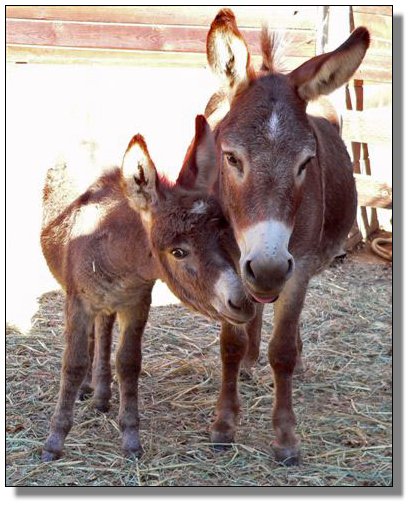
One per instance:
[(233, 306), (290, 267), (248, 269)]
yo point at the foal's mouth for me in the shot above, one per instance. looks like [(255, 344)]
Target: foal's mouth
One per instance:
[(231, 320)]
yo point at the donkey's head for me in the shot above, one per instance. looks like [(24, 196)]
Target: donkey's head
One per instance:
[(189, 236), (266, 144)]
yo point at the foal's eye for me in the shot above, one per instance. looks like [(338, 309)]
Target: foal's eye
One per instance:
[(303, 166), (179, 253), (233, 161)]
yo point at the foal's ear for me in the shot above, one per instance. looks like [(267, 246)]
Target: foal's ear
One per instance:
[(227, 51), (200, 169), (324, 73), (139, 174)]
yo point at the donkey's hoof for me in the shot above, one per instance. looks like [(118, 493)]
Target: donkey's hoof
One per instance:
[(133, 452), (131, 445), (222, 436), (287, 456), (48, 456)]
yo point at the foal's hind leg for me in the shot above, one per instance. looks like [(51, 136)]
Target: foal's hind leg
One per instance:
[(102, 374), (253, 329), (86, 388), (283, 352), (74, 369), (233, 342)]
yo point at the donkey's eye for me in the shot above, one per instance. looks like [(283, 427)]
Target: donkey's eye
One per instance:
[(233, 161), (303, 166), (179, 253)]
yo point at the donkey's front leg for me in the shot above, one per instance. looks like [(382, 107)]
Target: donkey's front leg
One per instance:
[(299, 364), (74, 368), (233, 343), (102, 374), (283, 353), (128, 366)]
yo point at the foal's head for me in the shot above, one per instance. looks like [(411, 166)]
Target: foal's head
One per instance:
[(266, 144), (189, 236)]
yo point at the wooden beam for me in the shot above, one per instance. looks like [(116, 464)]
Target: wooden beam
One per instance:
[(369, 126), (373, 193), (302, 17), (137, 36), (73, 56), (386, 10)]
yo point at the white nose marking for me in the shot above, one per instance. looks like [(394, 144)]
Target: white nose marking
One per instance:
[(267, 238)]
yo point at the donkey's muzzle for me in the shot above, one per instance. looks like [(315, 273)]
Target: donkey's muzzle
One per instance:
[(265, 277)]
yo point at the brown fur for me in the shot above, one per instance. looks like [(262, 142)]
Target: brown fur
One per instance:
[(263, 139), (108, 247)]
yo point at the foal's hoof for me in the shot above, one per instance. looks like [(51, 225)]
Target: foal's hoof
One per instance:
[(287, 456), (222, 435), (85, 393), (299, 366), (102, 405)]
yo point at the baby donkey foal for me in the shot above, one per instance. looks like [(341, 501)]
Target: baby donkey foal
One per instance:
[(109, 246)]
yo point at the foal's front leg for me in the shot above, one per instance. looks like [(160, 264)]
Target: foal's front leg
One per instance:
[(233, 343), (283, 353), (74, 368), (253, 330), (128, 366), (102, 374)]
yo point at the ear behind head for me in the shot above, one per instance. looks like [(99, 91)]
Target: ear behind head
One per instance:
[(325, 73), (200, 169), (227, 51), (139, 174)]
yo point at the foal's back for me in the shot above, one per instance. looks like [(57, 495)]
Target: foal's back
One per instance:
[(93, 245)]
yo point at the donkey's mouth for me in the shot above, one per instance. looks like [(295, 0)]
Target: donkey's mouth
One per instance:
[(257, 298)]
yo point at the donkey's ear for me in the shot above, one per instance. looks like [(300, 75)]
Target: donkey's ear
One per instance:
[(324, 73), (139, 174), (227, 51), (200, 169)]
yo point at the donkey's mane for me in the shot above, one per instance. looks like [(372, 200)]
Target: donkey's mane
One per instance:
[(273, 50)]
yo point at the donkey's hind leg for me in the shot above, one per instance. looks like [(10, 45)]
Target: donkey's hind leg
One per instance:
[(74, 368), (102, 374)]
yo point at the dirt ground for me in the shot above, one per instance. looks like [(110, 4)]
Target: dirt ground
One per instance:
[(343, 400)]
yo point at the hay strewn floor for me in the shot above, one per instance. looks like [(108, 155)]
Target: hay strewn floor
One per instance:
[(342, 401)]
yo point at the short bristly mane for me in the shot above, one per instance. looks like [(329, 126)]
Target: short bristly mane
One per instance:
[(273, 50)]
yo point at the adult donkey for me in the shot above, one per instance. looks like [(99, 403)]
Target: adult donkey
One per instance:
[(285, 184)]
